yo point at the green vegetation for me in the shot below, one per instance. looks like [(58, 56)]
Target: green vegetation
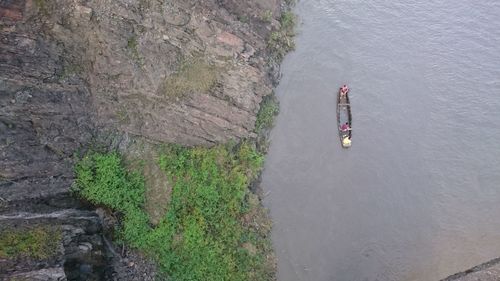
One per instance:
[(243, 18), (267, 16), (102, 180), (269, 108), (122, 115), (37, 243), (204, 217), (132, 42), (42, 7), (287, 21), (194, 75), (133, 46), (281, 42), (69, 70), (214, 228)]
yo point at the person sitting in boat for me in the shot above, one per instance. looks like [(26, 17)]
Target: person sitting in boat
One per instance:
[(345, 127), (344, 90)]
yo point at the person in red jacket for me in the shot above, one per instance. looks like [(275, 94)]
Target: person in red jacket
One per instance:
[(344, 90), (345, 127)]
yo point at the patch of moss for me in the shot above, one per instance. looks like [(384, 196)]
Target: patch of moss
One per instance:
[(38, 243), (194, 75)]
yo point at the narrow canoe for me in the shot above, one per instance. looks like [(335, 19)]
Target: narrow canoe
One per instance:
[(344, 116)]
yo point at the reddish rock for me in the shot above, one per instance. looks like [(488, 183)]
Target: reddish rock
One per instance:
[(230, 39), (11, 10)]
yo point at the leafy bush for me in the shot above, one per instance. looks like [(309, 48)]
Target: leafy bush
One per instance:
[(287, 21), (207, 203), (102, 179), (203, 235)]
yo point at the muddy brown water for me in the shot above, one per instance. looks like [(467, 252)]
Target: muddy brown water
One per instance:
[(417, 197)]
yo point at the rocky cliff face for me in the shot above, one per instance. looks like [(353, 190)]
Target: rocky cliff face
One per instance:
[(179, 71), (190, 72)]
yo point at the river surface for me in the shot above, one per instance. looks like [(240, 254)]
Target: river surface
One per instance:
[(417, 197)]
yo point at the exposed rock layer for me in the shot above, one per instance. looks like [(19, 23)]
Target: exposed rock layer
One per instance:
[(127, 50)]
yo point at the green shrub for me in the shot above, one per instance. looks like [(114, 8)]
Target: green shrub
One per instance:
[(281, 42), (269, 108), (288, 21), (102, 179), (37, 243), (202, 236), (207, 203)]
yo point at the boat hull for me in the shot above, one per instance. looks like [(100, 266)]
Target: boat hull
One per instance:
[(344, 116)]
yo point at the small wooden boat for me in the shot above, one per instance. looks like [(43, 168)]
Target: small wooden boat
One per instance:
[(344, 117)]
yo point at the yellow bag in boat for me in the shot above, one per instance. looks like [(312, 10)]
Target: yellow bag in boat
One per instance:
[(346, 141)]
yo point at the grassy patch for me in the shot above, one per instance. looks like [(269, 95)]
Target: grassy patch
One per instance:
[(194, 75), (281, 42), (37, 243), (269, 108), (208, 232)]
